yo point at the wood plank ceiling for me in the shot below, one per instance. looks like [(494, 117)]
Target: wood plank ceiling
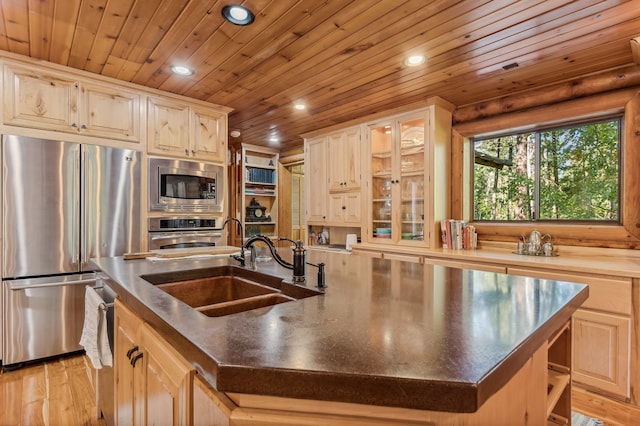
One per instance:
[(342, 58)]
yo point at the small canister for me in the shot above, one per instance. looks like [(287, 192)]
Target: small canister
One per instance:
[(522, 247)]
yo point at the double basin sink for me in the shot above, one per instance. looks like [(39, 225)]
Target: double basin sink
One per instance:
[(225, 290)]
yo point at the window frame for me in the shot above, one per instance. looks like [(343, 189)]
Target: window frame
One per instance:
[(624, 235), (619, 117)]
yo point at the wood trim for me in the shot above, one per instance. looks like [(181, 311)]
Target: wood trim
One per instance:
[(543, 116), (635, 49), (630, 208), (586, 86)]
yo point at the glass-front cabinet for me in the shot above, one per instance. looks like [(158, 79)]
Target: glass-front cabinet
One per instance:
[(398, 178)]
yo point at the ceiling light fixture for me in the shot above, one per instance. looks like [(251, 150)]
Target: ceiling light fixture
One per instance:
[(181, 70), (414, 61), (237, 15), (235, 133), (299, 106)]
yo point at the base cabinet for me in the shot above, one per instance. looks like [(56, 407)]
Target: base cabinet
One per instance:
[(601, 354), (601, 331), (153, 382)]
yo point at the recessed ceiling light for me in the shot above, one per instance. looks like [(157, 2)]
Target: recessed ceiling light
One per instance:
[(414, 61), (274, 139), (237, 15), (300, 106), (181, 70)]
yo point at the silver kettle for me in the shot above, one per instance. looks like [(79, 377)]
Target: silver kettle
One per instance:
[(535, 242)]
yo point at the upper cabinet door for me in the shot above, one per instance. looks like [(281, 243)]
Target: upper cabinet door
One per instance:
[(345, 162), (315, 163), (49, 101), (168, 128), (37, 100), (210, 135), (109, 113)]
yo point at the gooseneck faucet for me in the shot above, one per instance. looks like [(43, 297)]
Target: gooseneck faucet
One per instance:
[(299, 255), (233, 219)]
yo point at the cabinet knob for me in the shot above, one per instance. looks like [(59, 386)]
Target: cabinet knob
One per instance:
[(74, 125), (193, 151), (186, 151), (344, 207)]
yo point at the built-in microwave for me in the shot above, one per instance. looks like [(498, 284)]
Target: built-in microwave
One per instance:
[(182, 185)]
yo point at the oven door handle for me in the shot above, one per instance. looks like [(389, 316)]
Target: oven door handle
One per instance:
[(184, 235)]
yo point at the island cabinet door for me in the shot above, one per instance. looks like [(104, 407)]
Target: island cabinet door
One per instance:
[(126, 326), (166, 382), (153, 382)]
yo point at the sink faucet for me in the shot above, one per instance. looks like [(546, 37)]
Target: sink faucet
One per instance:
[(233, 219), (299, 255)]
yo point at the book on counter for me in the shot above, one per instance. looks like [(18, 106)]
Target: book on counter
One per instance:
[(458, 235)]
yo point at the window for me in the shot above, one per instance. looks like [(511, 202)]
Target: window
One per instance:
[(569, 173)]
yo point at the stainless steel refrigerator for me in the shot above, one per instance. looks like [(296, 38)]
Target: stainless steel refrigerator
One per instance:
[(63, 203)]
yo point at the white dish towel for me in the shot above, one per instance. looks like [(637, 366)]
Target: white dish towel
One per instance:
[(94, 331)]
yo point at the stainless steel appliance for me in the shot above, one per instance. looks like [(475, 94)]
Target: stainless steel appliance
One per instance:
[(62, 204), (177, 232), (185, 186)]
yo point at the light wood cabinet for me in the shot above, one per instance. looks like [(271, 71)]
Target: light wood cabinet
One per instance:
[(50, 101), (602, 352), (344, 165), (406, 173), (345, 208), (316, 180), (333, 167), (181, 130), (153, 382), (601, 331)]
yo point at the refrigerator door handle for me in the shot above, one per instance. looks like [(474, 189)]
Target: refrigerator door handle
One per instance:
[(75, 256), (24, 286), (85, 219)]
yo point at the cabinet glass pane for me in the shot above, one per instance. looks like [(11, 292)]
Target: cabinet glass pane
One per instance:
[(412, 177), (381, 185)]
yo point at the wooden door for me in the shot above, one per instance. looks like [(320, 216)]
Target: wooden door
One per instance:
[(109, 113), (601, 351), (344, 160), (166, 381), (210, 136), (40, 100), (168, 128), (316, 171), (126, 325)]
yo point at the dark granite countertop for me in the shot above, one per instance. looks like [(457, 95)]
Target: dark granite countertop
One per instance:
[(384, 333)]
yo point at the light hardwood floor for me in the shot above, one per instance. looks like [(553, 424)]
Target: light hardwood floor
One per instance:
[(54, 393), (60, 392)]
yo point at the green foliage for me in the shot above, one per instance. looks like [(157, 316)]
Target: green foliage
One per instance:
[(577, 174)]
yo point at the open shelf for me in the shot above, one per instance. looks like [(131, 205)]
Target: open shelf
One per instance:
[(559, 377)]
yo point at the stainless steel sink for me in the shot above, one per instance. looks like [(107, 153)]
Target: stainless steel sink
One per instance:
[(226, 290)]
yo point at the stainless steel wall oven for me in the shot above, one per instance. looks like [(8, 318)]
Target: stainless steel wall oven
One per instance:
[(179, 232)]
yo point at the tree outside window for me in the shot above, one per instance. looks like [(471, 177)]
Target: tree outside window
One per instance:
[(570, 173)]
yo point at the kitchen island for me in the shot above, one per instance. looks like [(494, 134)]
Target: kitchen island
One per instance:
[(392, 339)]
